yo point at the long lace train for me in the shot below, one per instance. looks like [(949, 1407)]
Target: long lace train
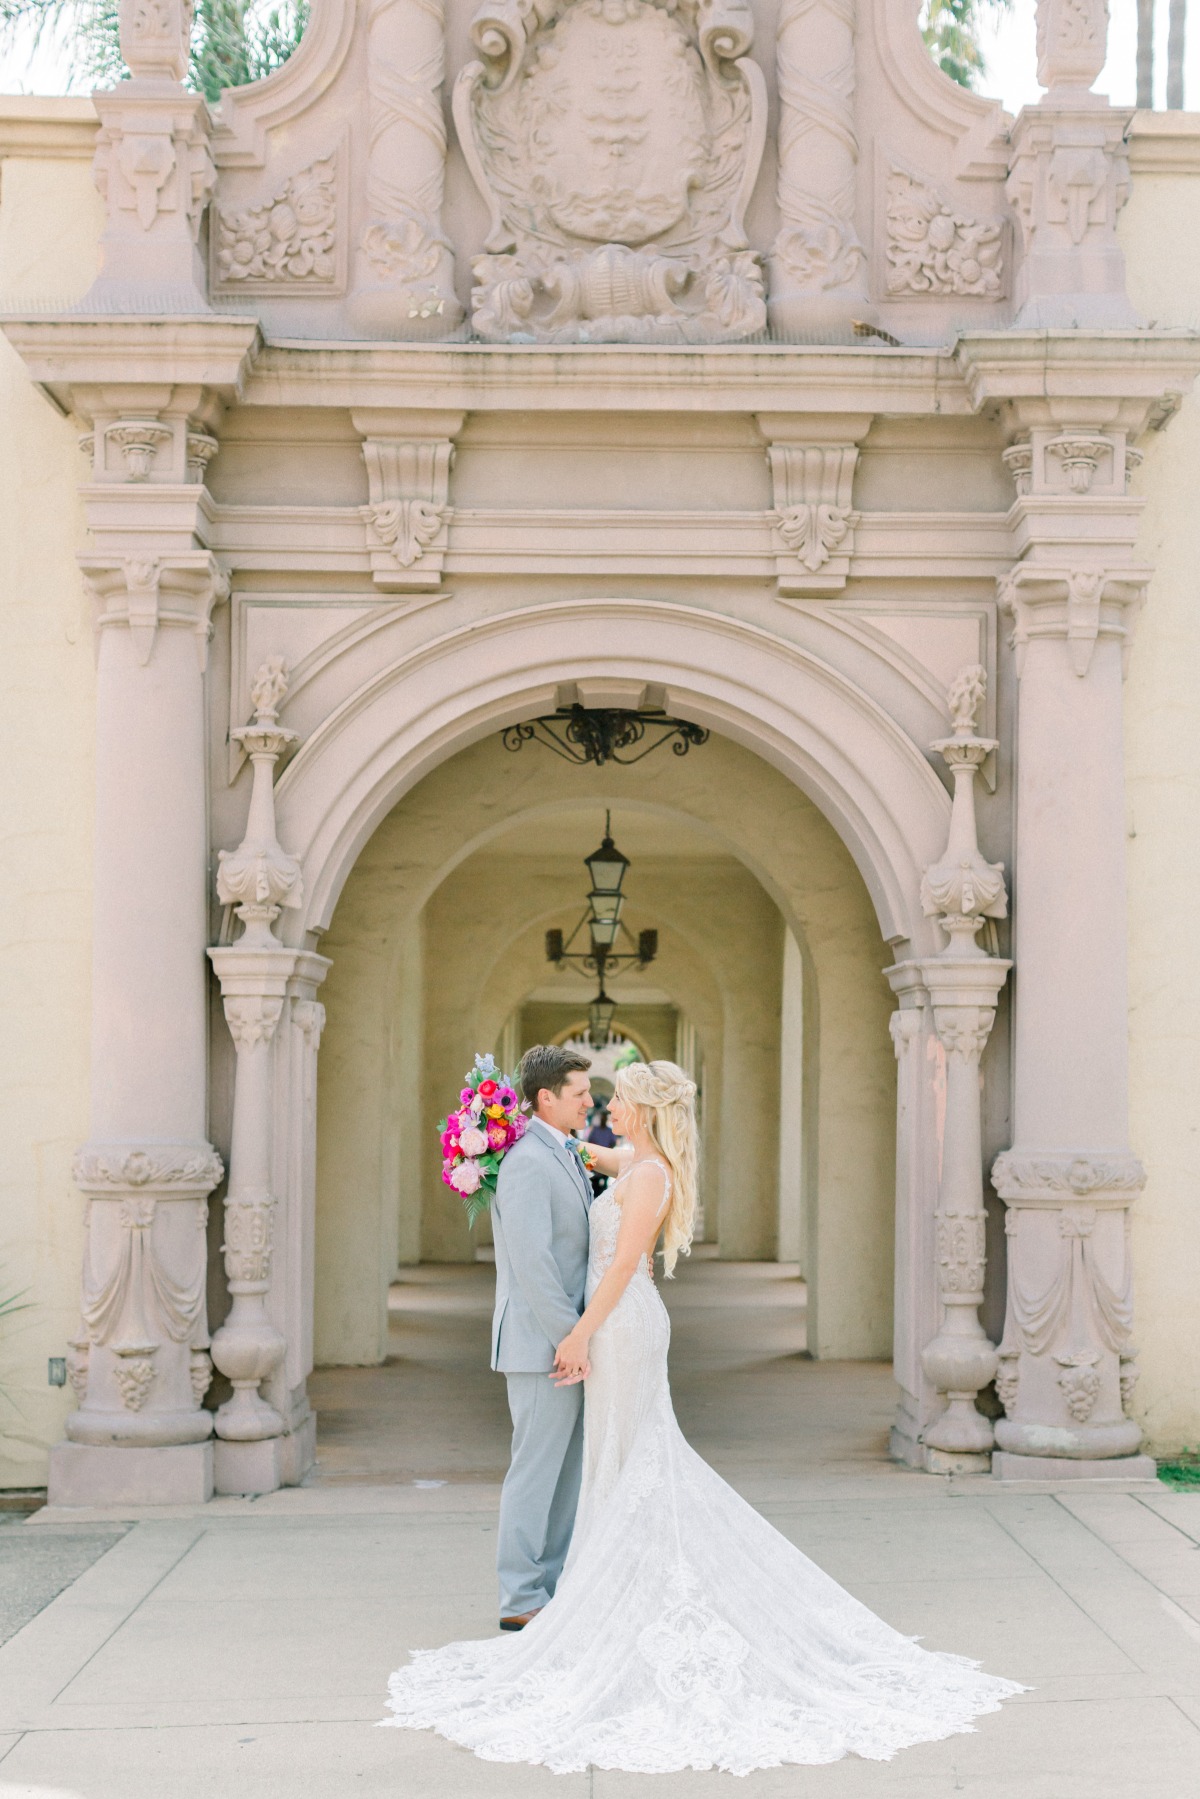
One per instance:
[(686, 1632)]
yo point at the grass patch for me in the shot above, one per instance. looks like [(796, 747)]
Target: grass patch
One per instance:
[(1183, 1473)]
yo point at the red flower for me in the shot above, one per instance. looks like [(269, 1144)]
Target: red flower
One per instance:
[(488, 1089)]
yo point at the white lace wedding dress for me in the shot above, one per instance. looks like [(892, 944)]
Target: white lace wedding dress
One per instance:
[(686, 1632)]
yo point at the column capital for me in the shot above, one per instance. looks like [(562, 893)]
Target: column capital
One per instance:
[(144, 591), (1054, 1177), (1080, 604)]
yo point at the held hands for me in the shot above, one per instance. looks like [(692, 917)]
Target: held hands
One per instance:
[(571, 1363)]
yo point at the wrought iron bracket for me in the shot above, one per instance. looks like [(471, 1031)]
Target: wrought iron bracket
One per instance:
[(582, 734)]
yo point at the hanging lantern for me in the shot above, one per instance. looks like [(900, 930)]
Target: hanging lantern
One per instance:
[(600, 1017), (606, 865)]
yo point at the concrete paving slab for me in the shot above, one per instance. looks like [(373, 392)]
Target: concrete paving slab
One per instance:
[(1180, 1509), (1022, 1629), (316, 1760), (1138, 1750), (35, 1566), (42, 1658), (243, 1649)]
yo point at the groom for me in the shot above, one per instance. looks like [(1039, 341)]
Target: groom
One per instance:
[(540, 1227)]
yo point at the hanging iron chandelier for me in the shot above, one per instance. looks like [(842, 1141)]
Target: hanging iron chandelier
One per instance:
[(602, 921)]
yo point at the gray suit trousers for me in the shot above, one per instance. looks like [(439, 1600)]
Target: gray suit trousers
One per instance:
[(541, 1490)]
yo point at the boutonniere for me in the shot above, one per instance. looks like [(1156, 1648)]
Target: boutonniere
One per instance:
[(584, 1151)]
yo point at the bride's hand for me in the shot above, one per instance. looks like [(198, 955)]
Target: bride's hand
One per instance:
[(571, 1360)]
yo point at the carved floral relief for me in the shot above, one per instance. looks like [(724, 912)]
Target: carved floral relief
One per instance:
[(932, 248), (616, 142), (290, 239)]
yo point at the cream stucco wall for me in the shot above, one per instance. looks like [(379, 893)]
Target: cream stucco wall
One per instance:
[(49, 225), (1160, 230)]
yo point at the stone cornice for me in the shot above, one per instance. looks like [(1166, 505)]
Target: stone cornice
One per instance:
[(1164, 143), (1118, 378), (47, 128), (75, 351), (1125, 377)]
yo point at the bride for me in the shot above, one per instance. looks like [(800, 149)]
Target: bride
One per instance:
[(685, 1632)]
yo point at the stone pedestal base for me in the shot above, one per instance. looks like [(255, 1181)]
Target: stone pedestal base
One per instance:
[(298, 1451), (1006, 1466), (90, 1474), (248, 1467), (945, 1461), (267, 1465)]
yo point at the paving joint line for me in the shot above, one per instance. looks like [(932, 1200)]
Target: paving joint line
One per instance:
[(128, 1615)]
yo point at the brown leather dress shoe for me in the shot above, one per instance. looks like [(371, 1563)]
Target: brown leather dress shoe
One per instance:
[(520, 1622)]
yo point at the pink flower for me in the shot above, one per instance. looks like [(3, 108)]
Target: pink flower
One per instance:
[(507, 1097), (473, 1142), (519, 1127), (466, 1096), (466, 1178), (497, 1136)]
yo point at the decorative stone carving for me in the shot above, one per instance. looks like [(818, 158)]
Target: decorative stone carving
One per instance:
[(818, 265), (407, 519), (617, 143), (253, 1020), (1072, 42), (813, 517), (1069, 178), (138, 441), (262, 880), (144, 1276), (404, 283), (154, 169), (1070, 1302), (289, 240), (1081, 605), (406, 528), (259, 877), (963, 984), (963, 889), (154, 37), (200, 1370), (932, 248), (99, 1170), (201, 448), (1079, 457), (143, 593), (1018, 460)]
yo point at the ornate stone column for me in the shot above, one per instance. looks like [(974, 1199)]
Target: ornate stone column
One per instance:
[(1069, 178), (961, 891), (154, 168), (817, 266), (1069, 1180), (139, 1365), (261, 983), (404, 271)]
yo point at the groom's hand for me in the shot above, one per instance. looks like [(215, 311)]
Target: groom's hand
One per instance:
[(570, 1361)]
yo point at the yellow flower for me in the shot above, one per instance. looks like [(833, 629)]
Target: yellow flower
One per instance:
[(494, 1112)]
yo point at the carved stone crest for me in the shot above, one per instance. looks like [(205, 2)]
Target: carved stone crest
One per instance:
[(616, 142)]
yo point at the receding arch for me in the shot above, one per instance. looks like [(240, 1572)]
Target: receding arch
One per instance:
[(804, 718)]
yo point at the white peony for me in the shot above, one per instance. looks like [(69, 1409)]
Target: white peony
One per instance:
[(472, 1142), (465, 1179)]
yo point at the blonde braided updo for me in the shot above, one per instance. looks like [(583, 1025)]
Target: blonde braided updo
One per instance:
[(663, 1099)]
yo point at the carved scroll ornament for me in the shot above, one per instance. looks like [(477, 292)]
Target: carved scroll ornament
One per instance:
[(616, 142)]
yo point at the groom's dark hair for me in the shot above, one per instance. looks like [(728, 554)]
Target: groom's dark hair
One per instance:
[(548, 1065)]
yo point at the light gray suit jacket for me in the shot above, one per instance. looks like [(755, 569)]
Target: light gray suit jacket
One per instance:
[(540, 1230)]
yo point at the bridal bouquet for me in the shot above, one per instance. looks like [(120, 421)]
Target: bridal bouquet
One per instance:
[(476, 1138)]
